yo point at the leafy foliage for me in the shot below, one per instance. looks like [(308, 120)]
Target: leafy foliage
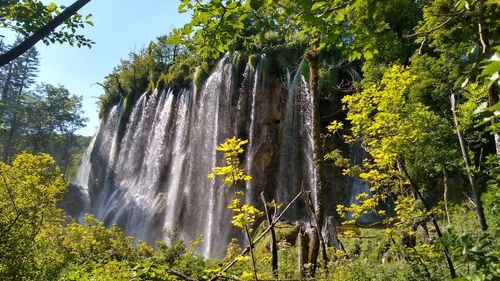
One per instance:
[(29, 191), (232, 172), (159, 65), (245, 214), (37, 119), (412, 56), (26, 17)]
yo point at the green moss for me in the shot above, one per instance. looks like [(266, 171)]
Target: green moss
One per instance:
[(106, 102), (127, 105), (265, 65), (180, 72), (285, 233), (161, 83), (240, 61), (253, 60), (152, 86), (199, 76)]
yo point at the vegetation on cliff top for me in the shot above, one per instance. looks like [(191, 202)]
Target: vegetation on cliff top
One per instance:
[(424, 107)]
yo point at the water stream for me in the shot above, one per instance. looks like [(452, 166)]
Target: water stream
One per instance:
[(151, 177)]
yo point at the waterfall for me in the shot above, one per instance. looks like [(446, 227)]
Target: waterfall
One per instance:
[(296, 167), (210, 126), (251, 147), (146, 169), (82, 179)]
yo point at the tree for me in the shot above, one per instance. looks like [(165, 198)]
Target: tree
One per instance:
[(29, 191), (245, 214), (406, 142), (468, 29), (468, 32), (41, 120), (36, 21), (16, 79), (53, 118)]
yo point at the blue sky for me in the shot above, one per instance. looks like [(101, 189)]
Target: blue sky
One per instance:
[(120, 26)]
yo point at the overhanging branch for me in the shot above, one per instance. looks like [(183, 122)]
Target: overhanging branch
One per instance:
[(41, 33)]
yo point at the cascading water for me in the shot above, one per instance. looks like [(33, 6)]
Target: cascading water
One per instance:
[(82, 180), (295, 163), (155, 176), (149, 175), (258, 81)]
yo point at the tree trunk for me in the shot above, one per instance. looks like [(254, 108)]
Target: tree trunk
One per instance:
[(307, 251), (302, 252), (273, 243), (320, 239), (492, 100), (419, 195), (312, 57), (42, 32), (475, 195), (252, 255), (314, 246), (445, 196), (330, 235), (425, 233)]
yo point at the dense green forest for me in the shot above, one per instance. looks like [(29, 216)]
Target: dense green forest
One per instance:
[(425, 107), (38, 117)]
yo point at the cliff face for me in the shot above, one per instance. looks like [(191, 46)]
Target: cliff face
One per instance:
[(147, 169)]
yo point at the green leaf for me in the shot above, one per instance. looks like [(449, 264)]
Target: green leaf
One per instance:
[(232, 5), (355, 55), (491, 68), (339, 16), (493, 108), (460, 4), (368, 55), (51, 7), (372, 5), (318, 6), (492, 2)]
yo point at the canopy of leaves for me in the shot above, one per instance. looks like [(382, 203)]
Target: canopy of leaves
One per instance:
[(158, 65), (37, 118), (29, 191), (27, 16)]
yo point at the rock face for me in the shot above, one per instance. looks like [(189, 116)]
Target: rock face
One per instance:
[(147, 171)]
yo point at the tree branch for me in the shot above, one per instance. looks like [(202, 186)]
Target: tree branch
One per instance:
[(247, 249), (41, 33), (274, 246), (414, 186), (178, 274), (427, 32)]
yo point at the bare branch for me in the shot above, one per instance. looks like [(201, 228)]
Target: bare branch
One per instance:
[(427, 32), (247, 249), (178, 274)]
